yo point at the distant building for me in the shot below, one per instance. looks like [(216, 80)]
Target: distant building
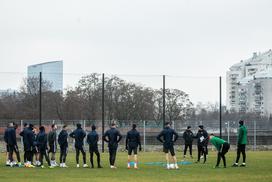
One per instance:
[(249, 85), (7, 92), (52, 72)]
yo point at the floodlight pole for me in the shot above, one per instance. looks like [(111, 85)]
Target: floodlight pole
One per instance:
[(103, 109), (220, 106), (40, 102), (163, 99)]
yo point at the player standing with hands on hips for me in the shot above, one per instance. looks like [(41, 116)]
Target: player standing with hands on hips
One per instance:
[(113, 137), (170, 136)]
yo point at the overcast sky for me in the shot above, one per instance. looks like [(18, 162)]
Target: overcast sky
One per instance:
[(172, 37)]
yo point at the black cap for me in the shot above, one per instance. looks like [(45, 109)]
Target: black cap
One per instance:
[(188, 127), (201, 127), (241, 122)]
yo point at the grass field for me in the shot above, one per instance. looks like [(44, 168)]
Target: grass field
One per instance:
[(259, 168)]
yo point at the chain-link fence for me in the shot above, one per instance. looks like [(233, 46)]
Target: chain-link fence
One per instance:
[(147, 100)]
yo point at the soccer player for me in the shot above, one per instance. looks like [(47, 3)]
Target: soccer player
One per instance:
[(188, 137), (52, 141), (222, 147), (35, 148), (242, 141), (22, 134), (113, 137), (63, 142), (170, 136), (10, 139), (202, 148), (42, 147), (92, 139), (79, 135), (133, 140), (28, 138), (6, 141)]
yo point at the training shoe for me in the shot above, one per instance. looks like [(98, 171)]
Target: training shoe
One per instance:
[(85, 165), (216, 167), (113, 167), (77, 165), (176, 166), (51, 167), (64, 165), (235, 165), (42, 166), (243, 165)]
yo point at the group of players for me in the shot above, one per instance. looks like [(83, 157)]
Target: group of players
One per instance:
[(36, 145)]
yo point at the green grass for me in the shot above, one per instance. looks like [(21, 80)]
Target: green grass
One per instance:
[(259, 166)]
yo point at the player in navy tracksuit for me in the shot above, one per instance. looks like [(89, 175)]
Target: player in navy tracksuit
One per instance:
[(79, 135), (202, 143), (28, 139), (63, 142), (22, 135), (10, 139), (42, 146), (113, 137), (92, 139), (133, 140), (170, 136)]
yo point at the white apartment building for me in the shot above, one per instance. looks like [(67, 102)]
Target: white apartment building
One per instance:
[(52, 72), (249, 85)]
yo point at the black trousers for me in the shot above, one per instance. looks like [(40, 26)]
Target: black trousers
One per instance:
[(221, 153), (78, 150), (44, 153), (241, 149), (29, 155), (112, 152), (186, 147), (92, 151), (63, 154), (201, 150), (11, 149)]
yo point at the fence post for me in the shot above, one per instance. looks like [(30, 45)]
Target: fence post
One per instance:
[(228, 132), (255, 133), (144, 136)]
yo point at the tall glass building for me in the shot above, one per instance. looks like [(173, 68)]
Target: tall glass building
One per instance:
[(52, 72)]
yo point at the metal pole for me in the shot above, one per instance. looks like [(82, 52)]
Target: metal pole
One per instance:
[(103, 109), (228, 132), (40, 103), (144, 136), (163, 99), (255, 142), (220, 106)]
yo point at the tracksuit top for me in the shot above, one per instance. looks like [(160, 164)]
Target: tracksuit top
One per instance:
[(113, 137), (62, 139), (217, 142), (169, 135), (78, 134), (92, 139), (242, 135), (133, 139)]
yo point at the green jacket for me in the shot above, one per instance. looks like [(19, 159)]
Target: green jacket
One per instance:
[(217, 142), (242, 135)]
